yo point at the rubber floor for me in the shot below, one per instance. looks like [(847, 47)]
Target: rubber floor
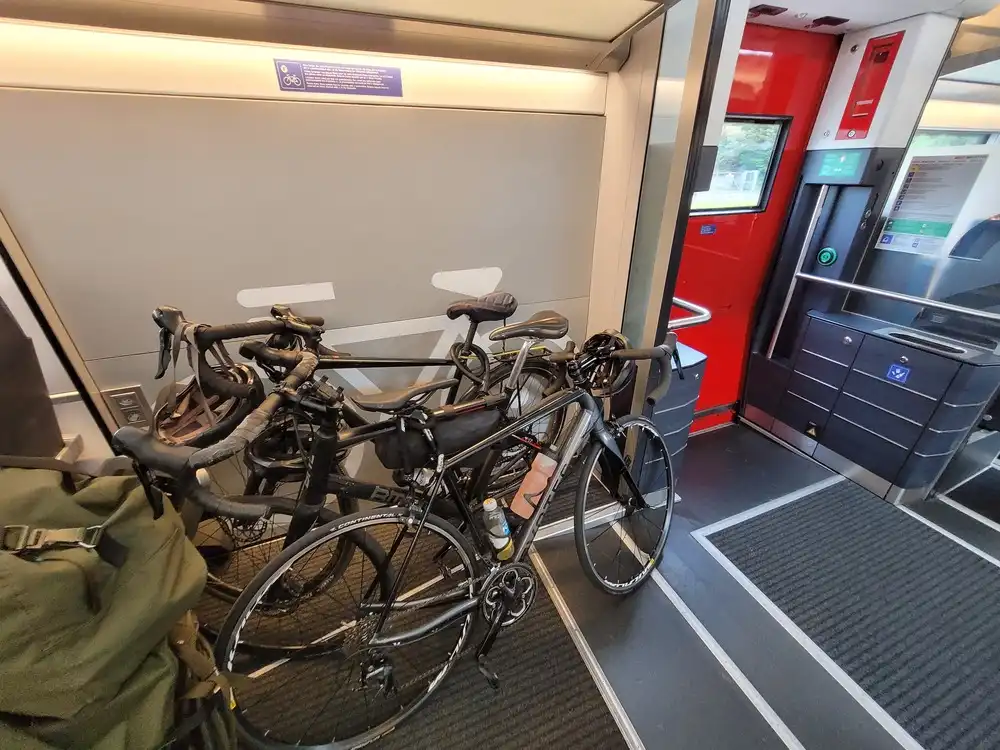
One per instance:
[(908, 614)]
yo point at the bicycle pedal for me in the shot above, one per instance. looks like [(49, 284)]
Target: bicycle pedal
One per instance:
[(491, 677)]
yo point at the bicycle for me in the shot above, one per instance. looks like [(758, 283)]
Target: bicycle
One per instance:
[(394, 648), (243, 532)]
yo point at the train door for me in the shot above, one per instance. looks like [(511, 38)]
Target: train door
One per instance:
[(735, 225)]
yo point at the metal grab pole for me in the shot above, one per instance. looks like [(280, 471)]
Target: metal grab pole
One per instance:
[(806, 243), (899, 297), (701, 315)]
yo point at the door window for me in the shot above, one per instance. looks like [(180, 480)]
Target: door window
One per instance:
[(744, 168)]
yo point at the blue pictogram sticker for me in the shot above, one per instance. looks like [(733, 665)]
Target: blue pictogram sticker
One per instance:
[(898, 373)]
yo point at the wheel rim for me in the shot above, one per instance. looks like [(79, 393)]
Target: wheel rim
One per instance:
[(623, 539), (343, 685), (234, 553)]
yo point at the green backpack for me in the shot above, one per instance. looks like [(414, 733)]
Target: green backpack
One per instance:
[(98, 645)]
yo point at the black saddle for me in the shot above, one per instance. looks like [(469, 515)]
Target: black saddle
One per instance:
[(542, 325), (395, 400), (492, 306), (151, 453)]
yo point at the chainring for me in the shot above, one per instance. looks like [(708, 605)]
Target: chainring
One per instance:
[(516, 584)]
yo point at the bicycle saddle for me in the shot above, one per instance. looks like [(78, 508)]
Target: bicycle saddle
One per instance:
[(542, 325), (394, 400), (150, 452), (492, 306)]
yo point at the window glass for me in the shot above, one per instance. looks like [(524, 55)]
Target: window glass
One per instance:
[(925, 138), (742, 168)]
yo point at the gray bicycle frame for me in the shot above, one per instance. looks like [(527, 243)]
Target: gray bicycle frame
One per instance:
[(588, 423)]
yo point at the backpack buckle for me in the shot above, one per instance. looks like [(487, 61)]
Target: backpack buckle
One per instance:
[(22, 538)]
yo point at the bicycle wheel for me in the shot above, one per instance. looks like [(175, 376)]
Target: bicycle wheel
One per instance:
[(235, 551), (324, 685), (619, 535), (515, 461)]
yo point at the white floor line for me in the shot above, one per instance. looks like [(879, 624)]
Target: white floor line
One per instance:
[(735, 673), (970, 513), (833, 669), (769, 505), (966, 481), (956, 539), (603, 685)]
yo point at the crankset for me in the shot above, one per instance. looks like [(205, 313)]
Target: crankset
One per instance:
[(507, 596)]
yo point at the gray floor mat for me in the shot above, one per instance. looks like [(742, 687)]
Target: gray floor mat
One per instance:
[(908, 614)]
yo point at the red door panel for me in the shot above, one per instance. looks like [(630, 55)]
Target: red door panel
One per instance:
[(783, 73)]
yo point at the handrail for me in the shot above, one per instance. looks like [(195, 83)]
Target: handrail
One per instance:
[(701, 315), (803, 249), (922, 301)]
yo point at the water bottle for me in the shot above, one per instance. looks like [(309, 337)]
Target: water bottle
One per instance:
[(496, 526), (533, 485)]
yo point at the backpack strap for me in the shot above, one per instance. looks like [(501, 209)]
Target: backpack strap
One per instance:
[(21, 539), (210, 689)]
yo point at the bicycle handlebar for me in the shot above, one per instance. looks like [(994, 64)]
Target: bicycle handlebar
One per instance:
[(211, 502), (255, 422)]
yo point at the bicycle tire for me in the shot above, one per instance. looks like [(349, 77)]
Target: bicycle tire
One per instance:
[(364, 523), (580, 520), (513, 463), (228, 591)]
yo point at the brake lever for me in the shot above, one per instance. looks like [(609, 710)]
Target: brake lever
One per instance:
[(163, 358)]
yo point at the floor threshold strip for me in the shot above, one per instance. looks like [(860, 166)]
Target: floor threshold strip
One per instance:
[(621, 718)]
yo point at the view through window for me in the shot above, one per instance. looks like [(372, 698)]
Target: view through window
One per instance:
[(747, 155)]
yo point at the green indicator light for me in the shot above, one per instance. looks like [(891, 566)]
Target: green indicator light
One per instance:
[(827, 256)]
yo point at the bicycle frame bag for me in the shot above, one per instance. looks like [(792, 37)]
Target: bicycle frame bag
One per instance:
[(409, 449)]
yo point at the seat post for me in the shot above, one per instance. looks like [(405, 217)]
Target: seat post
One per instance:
[(470, 336), (510, 385)]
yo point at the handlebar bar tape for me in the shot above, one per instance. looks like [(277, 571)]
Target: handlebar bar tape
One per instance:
[(256, 421), (667, 372), (215, 383), (208, 335), (267, 355), (241, 511), (656, 352)]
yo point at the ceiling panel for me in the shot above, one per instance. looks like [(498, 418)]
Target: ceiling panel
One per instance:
[(598, 20), (863, 14)]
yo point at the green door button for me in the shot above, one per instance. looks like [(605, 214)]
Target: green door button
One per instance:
[(827, 256)]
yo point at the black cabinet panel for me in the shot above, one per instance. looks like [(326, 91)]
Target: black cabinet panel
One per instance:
[(766, 381), (890, 397), (832, 341), (955, 417), (887, 425), (926, 373), (863, 448), (830, 372), (812, 390), (921, 471), (800, 414), (932, 443)]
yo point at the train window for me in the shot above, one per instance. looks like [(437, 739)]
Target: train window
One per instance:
[(748, 156), (925, 138)]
